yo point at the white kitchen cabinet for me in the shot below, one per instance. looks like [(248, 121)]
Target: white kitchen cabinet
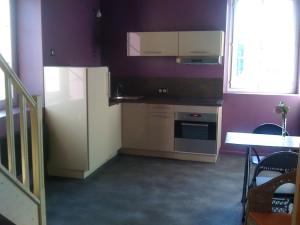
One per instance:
[(147, 126), (83, 131), (160, 127), (201, 43), (152, 44), (134, 125), (148, 130)]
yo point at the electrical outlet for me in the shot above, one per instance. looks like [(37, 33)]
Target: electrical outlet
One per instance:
[(52, 52), (165, 91), (162, 91)]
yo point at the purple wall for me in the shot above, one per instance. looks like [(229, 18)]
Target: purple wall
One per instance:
[(120, 17), (28, 50), (69, 29), (241, 112), (29, 45)]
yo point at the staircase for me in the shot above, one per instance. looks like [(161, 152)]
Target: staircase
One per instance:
[(22, 196), (4, 221)]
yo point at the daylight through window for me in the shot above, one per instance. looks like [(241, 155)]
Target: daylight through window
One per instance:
[(264, 46), (5, 40)]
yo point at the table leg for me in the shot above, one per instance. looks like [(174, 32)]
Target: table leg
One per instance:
[(246, 180), (246, 174)]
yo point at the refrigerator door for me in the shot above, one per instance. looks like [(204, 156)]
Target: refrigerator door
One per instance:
[(66, 118)]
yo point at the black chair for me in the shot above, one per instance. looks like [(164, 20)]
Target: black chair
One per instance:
[(271, 166), (265, 128)]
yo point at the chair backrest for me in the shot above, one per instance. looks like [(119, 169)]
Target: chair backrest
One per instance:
[(283, 161), (268, 128)]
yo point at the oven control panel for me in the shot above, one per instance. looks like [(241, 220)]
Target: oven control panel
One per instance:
[(199, 117)]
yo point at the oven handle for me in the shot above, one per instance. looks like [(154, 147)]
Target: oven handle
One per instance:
[(194, 124)]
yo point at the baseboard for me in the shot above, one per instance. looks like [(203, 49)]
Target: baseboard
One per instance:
[(77, 174), (199, 157), (106, 164), (232, 152)]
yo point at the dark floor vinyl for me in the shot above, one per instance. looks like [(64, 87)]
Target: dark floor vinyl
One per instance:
[(150, 191)]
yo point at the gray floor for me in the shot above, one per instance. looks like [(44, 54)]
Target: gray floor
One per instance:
[(150, 191)]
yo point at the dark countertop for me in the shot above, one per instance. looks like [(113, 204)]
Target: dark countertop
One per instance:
[(173, 101)]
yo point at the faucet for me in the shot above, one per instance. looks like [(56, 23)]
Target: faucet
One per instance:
[(118, 88)]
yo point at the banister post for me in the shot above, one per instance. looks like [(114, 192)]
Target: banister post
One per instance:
[(38, 157), (24, 141), (10, 127)]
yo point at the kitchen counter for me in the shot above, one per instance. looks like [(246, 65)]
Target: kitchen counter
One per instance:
[(166, 127), (173, 101)]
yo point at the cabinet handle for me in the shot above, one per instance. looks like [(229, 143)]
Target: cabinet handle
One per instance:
[(161, 107), (194, 124), (199, 52), (152, 52)]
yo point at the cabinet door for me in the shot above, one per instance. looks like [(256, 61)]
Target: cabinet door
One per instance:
[(134, 125), (104, 121), (201, 43), (160, 128), (152, 44)]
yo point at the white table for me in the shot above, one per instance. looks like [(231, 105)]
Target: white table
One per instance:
[(250, 139)]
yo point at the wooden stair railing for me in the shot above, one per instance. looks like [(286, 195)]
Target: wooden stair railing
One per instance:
[(34, 104)]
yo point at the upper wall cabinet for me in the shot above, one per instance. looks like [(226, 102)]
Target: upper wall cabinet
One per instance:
[(152, 44), (201, 43)]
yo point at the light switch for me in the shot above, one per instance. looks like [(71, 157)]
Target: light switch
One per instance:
[(52, 52)]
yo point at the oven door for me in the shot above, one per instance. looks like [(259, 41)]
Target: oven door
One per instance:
[(195, 130), (195, 136)]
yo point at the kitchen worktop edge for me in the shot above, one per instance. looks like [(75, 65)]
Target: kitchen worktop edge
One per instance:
[(173, 101)]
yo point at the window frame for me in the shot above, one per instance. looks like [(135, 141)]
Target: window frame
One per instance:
[(13, 26), (229, 53)]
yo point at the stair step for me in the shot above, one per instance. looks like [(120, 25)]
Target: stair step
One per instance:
[(4, 221)]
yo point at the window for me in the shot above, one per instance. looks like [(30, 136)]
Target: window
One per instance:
[(5, 41), (264, 46)]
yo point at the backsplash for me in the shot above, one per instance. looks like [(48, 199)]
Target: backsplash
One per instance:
[(175, 86)]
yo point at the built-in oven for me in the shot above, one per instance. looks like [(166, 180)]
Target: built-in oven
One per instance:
[(195, 132)]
